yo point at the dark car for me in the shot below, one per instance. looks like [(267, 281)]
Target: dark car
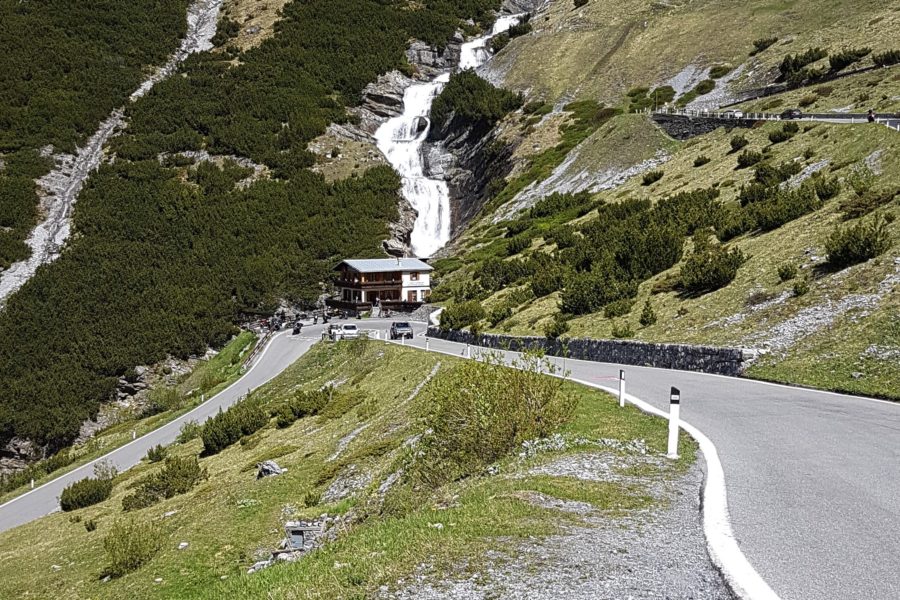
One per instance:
[(792, 113), (401, 330)]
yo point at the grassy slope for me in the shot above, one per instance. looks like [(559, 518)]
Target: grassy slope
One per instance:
[(231, 520), (602, 49), (207, 379), (828, 358)]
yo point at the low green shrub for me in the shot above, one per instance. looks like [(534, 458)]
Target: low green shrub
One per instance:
[(861, 205), (651, 177), (580, 3), (189, 431), (303, 404), (157, 453), (462, 315), (499, 314), (588, 292), (738, 142), (826, 187), (178, 476), (719, 71), (847, 57), (558, 327), (701, 160), (801, 287), (227, 427), (622, 331), (782, 206), (762, 44), (710, 266), (787, 271), (131, 544), (517, 244), (87, 492), (90, 525), (619, 308), (748, 158), (478, 412), (648, 315), (858, 243), (886, 59)]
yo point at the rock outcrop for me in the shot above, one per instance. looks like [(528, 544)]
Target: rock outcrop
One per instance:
[(468, 156)]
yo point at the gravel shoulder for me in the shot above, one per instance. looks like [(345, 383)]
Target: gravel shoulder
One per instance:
[(655, 553)]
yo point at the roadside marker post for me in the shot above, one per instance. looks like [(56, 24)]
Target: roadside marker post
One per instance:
[(468, 351), (674, 424), (621, 388), (426, 344), (402, 340)]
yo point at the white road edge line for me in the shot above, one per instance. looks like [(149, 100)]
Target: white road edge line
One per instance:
[(158, 429), (723, 549)]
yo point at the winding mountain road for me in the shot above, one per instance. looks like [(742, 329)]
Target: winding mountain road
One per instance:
[(813, 478)]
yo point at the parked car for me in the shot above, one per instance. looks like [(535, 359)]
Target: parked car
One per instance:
[(400, 330), (347, 331), (733, 114), (792, 113)]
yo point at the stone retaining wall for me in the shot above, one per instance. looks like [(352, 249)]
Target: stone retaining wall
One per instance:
[(703, 359)]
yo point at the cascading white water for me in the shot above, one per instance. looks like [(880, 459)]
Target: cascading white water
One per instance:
[(401, 139)]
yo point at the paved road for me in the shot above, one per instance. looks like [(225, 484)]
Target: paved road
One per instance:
[(813, 478)]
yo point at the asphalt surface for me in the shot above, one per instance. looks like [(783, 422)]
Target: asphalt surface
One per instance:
[(813, 478)]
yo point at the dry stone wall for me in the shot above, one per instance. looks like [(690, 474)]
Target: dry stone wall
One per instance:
[(703, 359)]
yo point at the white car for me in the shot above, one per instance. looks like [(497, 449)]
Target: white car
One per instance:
[(733, 114), (347, 331)]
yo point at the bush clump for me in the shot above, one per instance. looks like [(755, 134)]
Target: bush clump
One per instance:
[(462, 315), (845, 58), (651, 177), (157, 453), (748, 158), (619, 308), (473, 100), (178, 476), (886, 59), (762, 44), (738, 142), (710, 266), (580, 3), (787, 271), (589, 292), (858, 243), (227, 427), (87, 492), (648, 315), (701, 160), (129, 545), (478, 412)]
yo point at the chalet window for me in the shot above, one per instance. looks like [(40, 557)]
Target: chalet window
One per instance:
[(413, 276), (411, 296)]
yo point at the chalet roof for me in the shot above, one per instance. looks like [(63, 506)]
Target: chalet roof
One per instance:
[(386, 265)]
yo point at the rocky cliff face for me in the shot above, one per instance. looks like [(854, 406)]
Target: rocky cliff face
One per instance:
[(468, 156)]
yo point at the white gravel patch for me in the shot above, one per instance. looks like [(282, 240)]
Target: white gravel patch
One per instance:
[(808, 321)]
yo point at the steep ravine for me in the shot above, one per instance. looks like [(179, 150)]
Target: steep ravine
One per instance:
[(60, 188)]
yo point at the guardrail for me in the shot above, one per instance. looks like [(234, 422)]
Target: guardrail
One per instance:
[(254, 354), (891, 121)]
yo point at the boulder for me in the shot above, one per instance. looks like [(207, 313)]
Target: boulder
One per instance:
[(268, 468)]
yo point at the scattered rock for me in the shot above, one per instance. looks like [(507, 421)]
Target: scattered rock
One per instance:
[(268, 468), (348, 482), (856, 375), (55, 567), (182, 545)]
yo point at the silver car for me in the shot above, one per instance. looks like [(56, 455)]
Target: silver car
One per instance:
[(348, 331)]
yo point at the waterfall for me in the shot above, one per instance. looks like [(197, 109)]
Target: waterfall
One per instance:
[(400, 139)]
